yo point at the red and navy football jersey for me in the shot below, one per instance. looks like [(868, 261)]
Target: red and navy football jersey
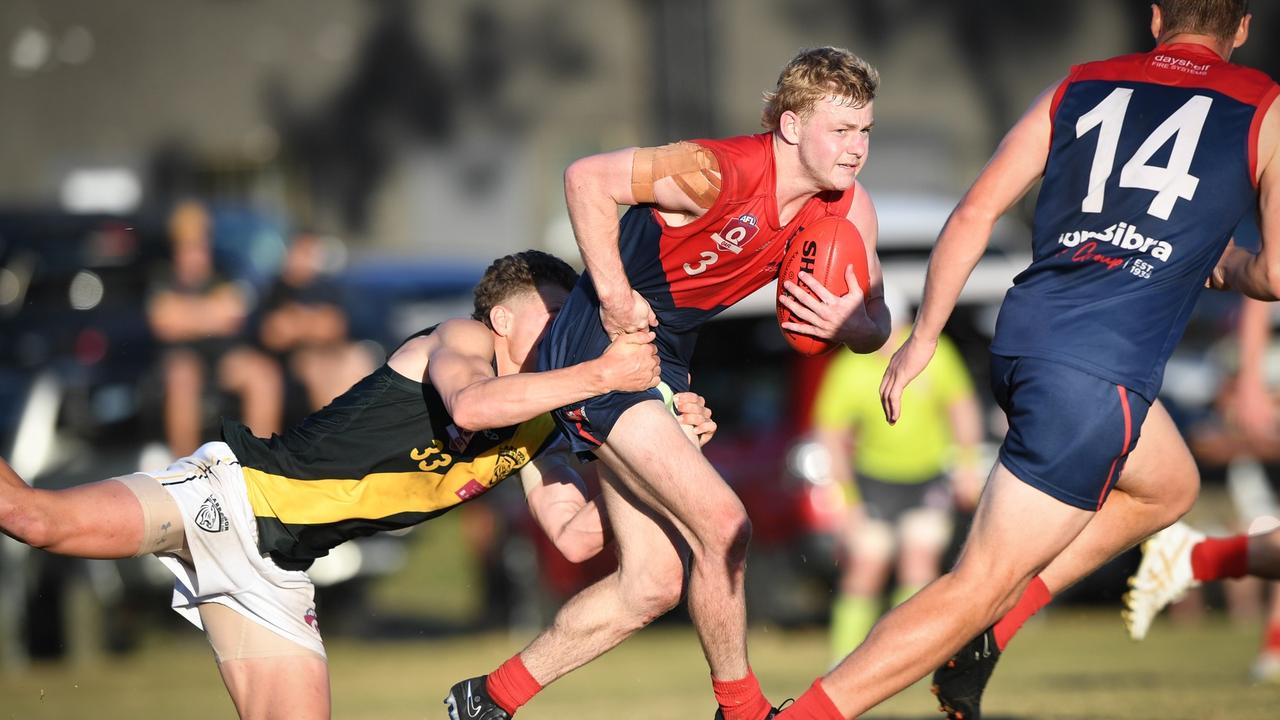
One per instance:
[(692, 272), (1151, 166)]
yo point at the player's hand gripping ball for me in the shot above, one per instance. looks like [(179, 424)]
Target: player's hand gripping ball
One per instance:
[(823, 249)]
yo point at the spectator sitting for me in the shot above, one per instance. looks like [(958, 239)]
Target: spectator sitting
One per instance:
[(198, 317), (305, 326)]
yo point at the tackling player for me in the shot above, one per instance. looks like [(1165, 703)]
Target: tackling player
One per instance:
[(1149, 162), (709, 223), (450, 414)]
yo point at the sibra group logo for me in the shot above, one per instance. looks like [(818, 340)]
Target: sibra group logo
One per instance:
[(1122, 235), (737, 232)]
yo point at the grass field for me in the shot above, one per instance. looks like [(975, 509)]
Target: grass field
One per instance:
[(1068, 667)]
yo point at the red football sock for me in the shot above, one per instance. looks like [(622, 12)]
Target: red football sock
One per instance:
[(1036, 596), (1271, 641), (1219, 558), (812, 705), (741, 699), (511, 685)]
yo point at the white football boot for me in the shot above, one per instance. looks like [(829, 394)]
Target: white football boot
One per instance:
[(1163, 577)]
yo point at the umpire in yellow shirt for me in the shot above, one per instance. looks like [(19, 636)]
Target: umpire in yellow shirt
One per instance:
[(903, 478)]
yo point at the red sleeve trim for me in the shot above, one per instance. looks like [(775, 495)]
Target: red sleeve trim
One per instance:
[(1062, 90), (1255, 128), (1057, 100)]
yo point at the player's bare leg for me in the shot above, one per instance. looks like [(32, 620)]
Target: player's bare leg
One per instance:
[(267, 676), (651, 515), (106, 520), (1179, 558), (924, 533), (101, 520), (1002, 554), (671, 475), (1158, 485), (645, 586), (870, 549)]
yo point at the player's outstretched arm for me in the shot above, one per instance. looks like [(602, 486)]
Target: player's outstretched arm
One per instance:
[(1014, 168), (558, 502), (1258, 274), (457, 359)]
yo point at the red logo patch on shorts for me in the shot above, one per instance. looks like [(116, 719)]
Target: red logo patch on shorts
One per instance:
[(310, 617), (577, 415)]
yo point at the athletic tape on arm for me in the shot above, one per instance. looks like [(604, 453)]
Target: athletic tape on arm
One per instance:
[(693, 168)]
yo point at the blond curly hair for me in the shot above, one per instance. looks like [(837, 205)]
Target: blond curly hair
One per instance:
[(816, 74)]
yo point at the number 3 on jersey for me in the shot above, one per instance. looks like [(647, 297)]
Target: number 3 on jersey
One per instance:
[(1170, 182)]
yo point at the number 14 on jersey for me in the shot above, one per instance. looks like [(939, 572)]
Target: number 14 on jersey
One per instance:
[(1171, 182)]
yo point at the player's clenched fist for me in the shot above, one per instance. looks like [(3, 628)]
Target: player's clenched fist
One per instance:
[(632, 314), (630, 363)]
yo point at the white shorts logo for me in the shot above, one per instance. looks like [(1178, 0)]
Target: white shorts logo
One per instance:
[(210, 517)]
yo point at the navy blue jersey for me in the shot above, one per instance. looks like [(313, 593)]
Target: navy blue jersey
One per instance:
[(1151, 166)]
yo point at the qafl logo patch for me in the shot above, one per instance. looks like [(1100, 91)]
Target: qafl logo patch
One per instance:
[(311, 619), (210, 517), (737, 232)]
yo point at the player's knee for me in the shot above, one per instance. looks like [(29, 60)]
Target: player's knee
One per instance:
[(1183, 494), (739, 542), (654, 589), (872, 542), (917, 566), (985, 585), (182, 368), (727, 533)]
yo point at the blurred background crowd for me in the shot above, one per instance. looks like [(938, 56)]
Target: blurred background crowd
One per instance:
[(237, 207)]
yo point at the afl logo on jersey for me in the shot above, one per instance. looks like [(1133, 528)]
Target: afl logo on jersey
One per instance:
[(737, 232)]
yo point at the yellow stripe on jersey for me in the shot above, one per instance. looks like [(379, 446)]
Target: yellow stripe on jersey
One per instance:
[(442, 481)]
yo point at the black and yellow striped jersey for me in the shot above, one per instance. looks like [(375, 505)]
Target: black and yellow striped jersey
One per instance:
[(382, 456)]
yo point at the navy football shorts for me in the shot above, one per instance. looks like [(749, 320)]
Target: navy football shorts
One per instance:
[(577, 335), (1069, 432)]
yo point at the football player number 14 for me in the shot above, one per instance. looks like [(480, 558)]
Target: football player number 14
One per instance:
[(1170, 182)]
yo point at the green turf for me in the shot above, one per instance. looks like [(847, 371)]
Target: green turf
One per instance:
[(1069, 667)]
